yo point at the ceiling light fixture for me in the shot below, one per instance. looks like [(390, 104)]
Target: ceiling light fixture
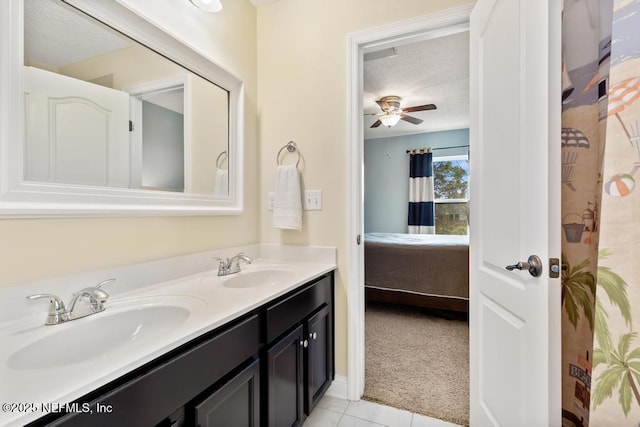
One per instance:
[(390, 119), (208, 5)]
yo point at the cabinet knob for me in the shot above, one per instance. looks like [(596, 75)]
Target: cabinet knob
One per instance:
[(304, 343), (313, 335)]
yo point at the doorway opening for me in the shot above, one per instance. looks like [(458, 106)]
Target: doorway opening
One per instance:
[(159, 135), (429, 27)]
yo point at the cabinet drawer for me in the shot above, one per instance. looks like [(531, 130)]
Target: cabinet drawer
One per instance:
[(283, 315), (164, 388)]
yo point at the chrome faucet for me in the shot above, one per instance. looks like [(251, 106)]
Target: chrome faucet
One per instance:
[(93, 298), (231, 265), (57, 313)]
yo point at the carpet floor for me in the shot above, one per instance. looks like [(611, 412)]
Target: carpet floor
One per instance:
[(417, 360)]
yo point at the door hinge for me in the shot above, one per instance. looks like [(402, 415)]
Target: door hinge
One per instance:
[(130, 126), (358, 239), (554, 268)]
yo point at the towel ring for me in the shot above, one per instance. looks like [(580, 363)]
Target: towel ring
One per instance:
[(291, 147), (221, 158)]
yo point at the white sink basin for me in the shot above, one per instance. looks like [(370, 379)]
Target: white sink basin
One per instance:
[(96, 335), (252, 279)]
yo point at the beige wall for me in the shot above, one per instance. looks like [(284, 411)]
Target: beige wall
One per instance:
[(302, 75), (38, 248)]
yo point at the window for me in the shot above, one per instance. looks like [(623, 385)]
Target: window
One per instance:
[(451, 194)]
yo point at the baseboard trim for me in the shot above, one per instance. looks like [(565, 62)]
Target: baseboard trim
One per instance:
[(338, 388)]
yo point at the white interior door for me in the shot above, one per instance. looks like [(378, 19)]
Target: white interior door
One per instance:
[(515, 212), (76, 132)]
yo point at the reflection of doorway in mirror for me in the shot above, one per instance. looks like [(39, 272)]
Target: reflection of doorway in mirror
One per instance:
[(162, 146), (158, 135)]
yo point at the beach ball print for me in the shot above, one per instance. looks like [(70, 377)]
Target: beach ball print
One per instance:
[(620, 185)]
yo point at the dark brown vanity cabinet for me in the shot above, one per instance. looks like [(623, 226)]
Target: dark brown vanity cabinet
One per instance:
[(236, 403), (267, 368), (165, 392), (299, 359)]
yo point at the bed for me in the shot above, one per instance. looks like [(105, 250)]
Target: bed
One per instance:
[(417, 269)]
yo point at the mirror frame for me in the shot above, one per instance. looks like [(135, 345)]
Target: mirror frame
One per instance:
[(19, 198)]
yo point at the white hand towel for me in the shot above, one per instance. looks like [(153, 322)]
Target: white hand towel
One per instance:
[(221, 185), (287, 203)]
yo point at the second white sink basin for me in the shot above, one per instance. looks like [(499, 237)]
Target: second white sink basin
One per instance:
[(264, 277), (96, 335)]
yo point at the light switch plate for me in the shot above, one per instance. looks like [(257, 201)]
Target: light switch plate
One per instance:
[(312, 200), (270, 200)]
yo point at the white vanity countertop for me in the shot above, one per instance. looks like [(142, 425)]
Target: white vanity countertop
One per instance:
[(212, 302)]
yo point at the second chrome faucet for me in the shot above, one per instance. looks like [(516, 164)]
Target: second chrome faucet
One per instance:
[(231, 265), (85, 302)]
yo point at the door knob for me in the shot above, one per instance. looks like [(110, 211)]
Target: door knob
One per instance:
[(533, 265)]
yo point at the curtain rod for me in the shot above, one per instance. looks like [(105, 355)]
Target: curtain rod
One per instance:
[(442, 148)]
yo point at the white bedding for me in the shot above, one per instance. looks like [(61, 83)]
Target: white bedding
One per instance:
[(417, 239)]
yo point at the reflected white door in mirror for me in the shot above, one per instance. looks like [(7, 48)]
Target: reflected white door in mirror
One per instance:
[(102, 113)]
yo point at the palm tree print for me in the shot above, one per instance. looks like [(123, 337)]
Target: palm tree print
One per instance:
[(623, 366), (623, 372), (616, 289), (578, 291)]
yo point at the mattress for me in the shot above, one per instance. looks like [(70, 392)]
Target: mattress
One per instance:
[(433, 265)]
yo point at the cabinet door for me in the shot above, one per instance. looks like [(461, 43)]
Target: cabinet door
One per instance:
[(319, 361), (236, 403), (285, 381)]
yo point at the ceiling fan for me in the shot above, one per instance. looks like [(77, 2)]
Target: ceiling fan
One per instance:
[(392, 113)]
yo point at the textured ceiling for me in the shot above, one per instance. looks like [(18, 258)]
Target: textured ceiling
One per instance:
[(434, 71), (52, 35)]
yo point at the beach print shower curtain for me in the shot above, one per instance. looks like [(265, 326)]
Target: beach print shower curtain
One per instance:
[(601, 213), (586, 47), (615, 395)]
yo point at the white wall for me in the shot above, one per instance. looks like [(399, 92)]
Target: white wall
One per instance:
[(302, 75), (33, 249), (386, 175)]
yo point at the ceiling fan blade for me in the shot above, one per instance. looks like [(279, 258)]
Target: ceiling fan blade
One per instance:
[(420, 108), (376, 124), (410, 119)]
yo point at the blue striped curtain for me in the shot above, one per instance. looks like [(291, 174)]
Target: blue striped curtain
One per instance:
[(421, 207)]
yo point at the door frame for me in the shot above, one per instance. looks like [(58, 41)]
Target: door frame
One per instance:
[(437, 24), (137, 94)]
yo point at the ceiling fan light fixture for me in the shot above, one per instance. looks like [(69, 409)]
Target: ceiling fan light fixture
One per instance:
[(390, 119), (208, 5)]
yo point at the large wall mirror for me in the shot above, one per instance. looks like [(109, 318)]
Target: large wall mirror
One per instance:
[(107, 114)]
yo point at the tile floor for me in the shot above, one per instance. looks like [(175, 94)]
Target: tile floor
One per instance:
[(333, 412)]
